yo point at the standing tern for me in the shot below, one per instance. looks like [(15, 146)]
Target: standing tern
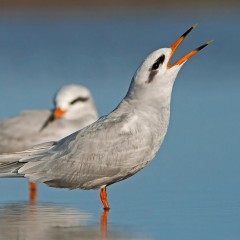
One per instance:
[(74, 109), (116, 146)]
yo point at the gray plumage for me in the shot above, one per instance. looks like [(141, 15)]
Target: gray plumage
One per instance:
[(25, 130)]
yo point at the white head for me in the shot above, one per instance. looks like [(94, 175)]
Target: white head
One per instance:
[(155, 77), (73, 101)]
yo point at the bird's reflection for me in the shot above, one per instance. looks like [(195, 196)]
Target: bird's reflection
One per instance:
[(104, 223), (47, 221), (27, 221)]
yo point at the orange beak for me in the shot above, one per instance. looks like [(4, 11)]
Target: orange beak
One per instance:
[(58, 113), (177, 43)]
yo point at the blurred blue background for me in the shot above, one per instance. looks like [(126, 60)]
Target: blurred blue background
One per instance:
[(191, 188)]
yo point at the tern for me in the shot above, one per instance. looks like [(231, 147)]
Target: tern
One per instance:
[(116, 146), (74, 109)]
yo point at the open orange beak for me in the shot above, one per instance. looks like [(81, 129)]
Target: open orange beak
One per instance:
[(176, 44), (57, 113)]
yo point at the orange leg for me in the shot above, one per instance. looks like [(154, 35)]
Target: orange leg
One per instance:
[(103, 196), (33, 192)]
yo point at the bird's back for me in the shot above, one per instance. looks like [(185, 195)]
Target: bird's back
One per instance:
[(25, 130), (20, 132)]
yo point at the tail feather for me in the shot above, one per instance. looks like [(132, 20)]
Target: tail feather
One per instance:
[(10, 175), (10, 170)]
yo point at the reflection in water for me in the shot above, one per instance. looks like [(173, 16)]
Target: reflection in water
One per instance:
[(25, 221), (44, 221), (104, 220)]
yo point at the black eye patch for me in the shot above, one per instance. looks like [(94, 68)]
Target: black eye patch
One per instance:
[(79, 99), (159, 61)]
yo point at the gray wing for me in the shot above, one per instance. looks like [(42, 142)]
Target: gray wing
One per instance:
[(25, 130), (98, 155), (20, 132)]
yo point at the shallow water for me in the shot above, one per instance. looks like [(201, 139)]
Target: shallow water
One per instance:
[(48, 221), (191, 189)]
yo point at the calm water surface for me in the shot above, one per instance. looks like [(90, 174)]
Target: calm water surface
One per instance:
[(191, 189)]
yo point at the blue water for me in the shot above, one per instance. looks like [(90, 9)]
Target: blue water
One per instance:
[(191, 189)]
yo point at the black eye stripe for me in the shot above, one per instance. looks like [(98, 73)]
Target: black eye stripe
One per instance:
[(79, 99), (159, 61), (154, 67)]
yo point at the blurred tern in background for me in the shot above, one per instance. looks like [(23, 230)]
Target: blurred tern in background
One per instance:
[(117, 145), (74, 109)]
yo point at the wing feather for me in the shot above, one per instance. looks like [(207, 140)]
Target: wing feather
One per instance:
[(99, 154)]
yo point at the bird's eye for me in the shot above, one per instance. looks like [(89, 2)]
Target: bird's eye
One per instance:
[(79, 99), (159, 61), (155, 66)]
